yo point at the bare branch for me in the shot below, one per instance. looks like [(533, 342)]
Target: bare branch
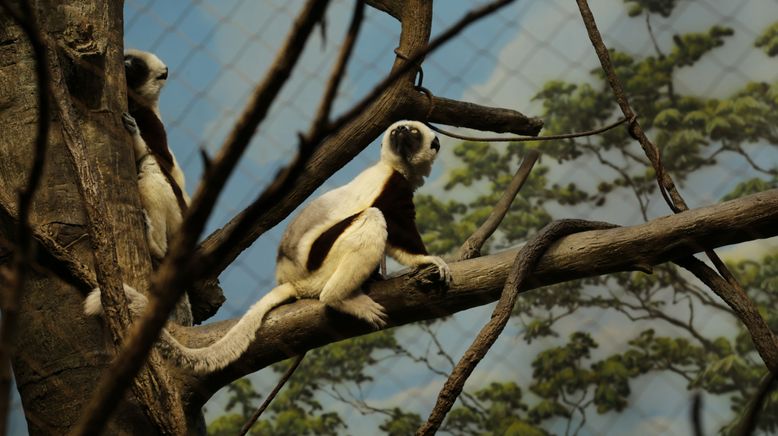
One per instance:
[(338, 72), (666, 185), (463, 114), (297, 327), (472, 246), (765, 341), (533, 138), (751, 418), (281, 382), (522, 268)]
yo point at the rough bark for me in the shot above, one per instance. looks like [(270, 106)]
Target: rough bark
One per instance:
[(61, 353)]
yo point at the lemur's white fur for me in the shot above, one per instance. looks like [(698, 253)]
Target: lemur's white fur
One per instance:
[(359, 241), (159, 175), (163, 213)]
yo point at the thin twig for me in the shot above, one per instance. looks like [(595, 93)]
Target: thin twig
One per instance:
[(284, 378), (524, 263), (696, 415), (174, 275), (751, 417), (472, 246), (338, 71), (22, 256), (666, 185), (529, 138)]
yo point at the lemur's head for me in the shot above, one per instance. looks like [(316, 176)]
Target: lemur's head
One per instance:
[(410, 147), (146, 75)]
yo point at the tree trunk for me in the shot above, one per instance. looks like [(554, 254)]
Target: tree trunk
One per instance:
[(60, 354)]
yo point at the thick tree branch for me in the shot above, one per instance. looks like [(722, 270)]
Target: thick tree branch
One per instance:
[(297, 327), (474, 116)]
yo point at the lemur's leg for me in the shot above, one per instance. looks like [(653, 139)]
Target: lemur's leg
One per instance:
[(358, 252)]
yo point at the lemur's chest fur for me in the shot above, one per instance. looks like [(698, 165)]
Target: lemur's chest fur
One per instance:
[(395, 201), (153, 133)]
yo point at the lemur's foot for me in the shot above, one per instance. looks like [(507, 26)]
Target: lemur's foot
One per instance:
[(443, 270), (129, 123)]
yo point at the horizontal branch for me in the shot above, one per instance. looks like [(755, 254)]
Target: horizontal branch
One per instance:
[(474, 116), (306, 324)]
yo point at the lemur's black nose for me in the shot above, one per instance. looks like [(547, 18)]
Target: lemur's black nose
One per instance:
[(163, 76)]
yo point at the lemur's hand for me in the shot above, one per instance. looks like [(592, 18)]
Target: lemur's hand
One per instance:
[(129, 123), (443, 269)]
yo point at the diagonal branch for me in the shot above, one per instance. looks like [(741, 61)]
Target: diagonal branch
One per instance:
[(666, 185), (472, 246), (525, 262), (297, 327)]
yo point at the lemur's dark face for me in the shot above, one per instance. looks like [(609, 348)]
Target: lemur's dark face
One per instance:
[(411, 145), (407, 140), (146, 74)]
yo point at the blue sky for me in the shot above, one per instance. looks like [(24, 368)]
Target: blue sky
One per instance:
[(218, 50)]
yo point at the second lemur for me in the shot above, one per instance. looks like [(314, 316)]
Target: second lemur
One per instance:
[(333, 246), (160, 180)]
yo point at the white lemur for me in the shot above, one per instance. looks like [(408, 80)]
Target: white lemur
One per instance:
[(160, 180), (333, 246)]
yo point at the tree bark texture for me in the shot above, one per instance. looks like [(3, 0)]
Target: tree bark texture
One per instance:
[(60, 352)]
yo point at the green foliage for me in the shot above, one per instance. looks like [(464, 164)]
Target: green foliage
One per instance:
[(401, 423), (501, 412), (661, 7), (768, 40)]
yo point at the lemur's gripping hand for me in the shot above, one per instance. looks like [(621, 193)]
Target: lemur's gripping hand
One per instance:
[(130, 124), (443, 269)]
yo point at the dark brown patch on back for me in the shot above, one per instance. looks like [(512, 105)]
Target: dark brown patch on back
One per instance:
[(323, 244), (396, 203), (153, 133)]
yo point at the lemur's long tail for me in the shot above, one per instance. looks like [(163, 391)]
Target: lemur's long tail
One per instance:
[(217, 355)]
